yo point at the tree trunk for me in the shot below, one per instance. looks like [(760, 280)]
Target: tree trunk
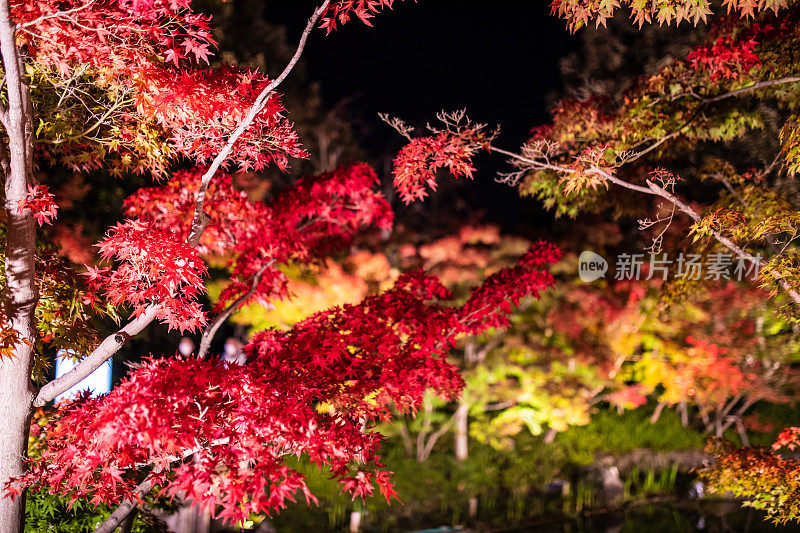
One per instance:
[(127, 525), (15, 399), (657, 413), (16, 389), (355, 522), (742, 431), (473, 506), (684, 410), (462, 431), (408, 444)]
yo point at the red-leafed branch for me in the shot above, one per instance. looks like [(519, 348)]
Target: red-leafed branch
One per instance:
[(114, 342), (58, 14), (199, 216), (655, 190), (379, 355)]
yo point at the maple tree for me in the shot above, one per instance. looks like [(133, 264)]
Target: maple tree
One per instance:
[(461, 261), (118, 87), (592, 147), (712, 354)]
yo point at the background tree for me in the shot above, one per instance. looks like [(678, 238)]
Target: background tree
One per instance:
[(709, 137)]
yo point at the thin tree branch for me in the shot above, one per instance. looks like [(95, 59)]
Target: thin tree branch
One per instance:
[(57, 14), (128, 506), (198, 225), (426, 451), (211, 329), (656, 144), (93, 361), (500, 406), (653, 189), (127, 525), (131, 505), (750, 88), (426, 425), (769, 239), (99, 122)]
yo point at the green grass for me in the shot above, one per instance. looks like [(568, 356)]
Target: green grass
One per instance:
[(609, 432)]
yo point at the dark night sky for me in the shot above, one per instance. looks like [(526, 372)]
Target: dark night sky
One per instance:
[(497, 59)]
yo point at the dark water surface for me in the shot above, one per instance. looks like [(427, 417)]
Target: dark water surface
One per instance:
[(668, 517)]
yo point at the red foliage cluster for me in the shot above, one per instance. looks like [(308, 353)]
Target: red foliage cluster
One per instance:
[(628, 397), (457, 259), (161, 107), (489, 305), (215, 433), (118, 36), (340, 11), (333, 206), (42, 202), (726, 58), (153, 270), (315, 216), (585, 308), (169, 208), (788, 438), (756, 473), (308, 219), (575, 120), (200, 108), (711, 376), (316, 390), (416, 164)]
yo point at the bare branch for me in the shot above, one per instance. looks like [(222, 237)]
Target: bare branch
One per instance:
[(694, 215), (398, 125), (211, 330), (93, 361)]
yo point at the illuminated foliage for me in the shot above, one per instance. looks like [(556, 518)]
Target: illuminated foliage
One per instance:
[(628, 156), (119, 87)]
